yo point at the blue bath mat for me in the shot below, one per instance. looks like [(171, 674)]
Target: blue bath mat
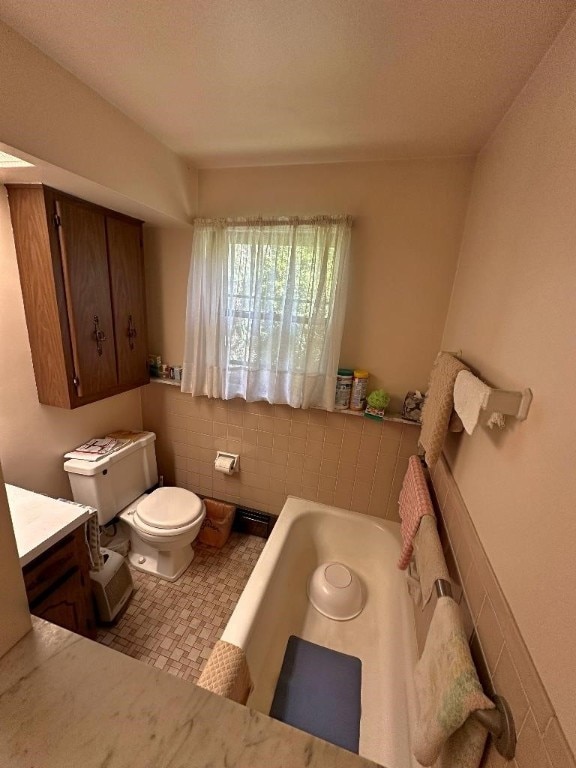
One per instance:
[(318, 691)]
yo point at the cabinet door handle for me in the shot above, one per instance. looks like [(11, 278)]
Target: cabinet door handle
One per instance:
[(132, 333), (98, 335)]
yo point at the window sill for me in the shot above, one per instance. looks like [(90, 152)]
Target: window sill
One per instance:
[(387, 417), (170, 382), (395, 417)]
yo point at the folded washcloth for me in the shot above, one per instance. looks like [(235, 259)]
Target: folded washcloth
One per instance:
[(414, 503), (447, 692), (439, 404), (430, 562), (226, 673), (470, 397)]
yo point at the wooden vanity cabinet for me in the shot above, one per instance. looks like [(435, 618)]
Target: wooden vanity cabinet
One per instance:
[(58, 585), (82, 276)]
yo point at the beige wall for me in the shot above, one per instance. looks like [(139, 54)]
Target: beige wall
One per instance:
[(51, 115), (408, 224), (15, 617), (409, 217), (498, 649), (167, 252), (34, 437), (513, 313)]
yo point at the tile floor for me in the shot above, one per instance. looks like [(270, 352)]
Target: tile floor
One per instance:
[(173, 626)]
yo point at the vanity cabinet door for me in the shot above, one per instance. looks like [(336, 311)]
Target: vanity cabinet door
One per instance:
[(82, 235), (62, 606), (126, 264), (58, 585)]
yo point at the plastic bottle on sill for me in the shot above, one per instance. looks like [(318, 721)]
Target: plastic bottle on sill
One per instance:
[(359, 389), (343, 389)]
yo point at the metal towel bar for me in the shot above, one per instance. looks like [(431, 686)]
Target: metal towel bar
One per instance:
[(498, 722)]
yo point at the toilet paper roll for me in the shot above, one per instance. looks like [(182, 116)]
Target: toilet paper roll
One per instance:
[(224, 464)]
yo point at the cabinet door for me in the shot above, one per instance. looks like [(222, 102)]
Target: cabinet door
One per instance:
[(82, 233), (63, 605), (126, 264), (58, 585)]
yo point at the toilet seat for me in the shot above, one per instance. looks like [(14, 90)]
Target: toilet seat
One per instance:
[(168, 511), (161, 534)]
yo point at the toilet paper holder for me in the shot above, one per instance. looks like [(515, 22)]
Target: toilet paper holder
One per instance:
[(228, 463)]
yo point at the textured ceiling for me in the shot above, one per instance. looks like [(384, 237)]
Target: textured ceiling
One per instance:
[(241, 82)]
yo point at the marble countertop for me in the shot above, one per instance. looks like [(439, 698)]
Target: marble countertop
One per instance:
[(67, 702), (40, 521)]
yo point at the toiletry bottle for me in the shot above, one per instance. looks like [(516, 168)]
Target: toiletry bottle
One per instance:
[(359, 388), (343, 389)]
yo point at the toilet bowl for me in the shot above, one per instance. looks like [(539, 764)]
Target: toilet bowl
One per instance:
[(162, 526)]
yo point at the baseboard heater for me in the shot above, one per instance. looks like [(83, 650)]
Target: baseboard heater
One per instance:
[(256, 523)]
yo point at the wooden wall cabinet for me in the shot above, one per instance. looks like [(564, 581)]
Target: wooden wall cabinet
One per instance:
[(82, 276)]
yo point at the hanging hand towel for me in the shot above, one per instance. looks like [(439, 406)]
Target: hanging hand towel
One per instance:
[(447, 692), (439, 405), (226, 673), (413, 583), (470, 397), (414, 503), (430, 562)]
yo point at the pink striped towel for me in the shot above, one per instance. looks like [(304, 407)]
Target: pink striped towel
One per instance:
[(414, 503)]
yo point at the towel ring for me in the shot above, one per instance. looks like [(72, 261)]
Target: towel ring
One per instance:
[(499, 721), (500, 724)]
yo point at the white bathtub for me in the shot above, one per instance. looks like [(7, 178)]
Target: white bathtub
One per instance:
[(274, 605)]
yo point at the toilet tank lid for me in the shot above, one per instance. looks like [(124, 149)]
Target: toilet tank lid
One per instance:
[(80, 467), (170, 508)]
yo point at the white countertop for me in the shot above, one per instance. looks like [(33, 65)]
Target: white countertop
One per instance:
[(67, 702), (40, 521)]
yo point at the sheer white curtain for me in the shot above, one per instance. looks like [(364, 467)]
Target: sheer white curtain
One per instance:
[(265, 312)]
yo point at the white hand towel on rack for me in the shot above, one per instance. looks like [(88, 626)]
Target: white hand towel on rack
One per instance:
[(471, 395)]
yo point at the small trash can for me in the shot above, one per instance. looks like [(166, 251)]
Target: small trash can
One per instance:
[(217, 524)]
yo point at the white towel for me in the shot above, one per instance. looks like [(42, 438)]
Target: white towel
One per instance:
[(447, 692), (470, 397)]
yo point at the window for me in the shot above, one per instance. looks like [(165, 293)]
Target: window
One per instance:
[(266, 302)]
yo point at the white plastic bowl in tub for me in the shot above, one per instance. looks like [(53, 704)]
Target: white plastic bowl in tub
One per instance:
[(336, 591)]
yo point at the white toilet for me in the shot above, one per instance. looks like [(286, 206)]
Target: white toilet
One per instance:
[(162, 525)]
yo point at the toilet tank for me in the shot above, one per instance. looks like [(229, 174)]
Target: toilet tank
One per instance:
[(111, 483)]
